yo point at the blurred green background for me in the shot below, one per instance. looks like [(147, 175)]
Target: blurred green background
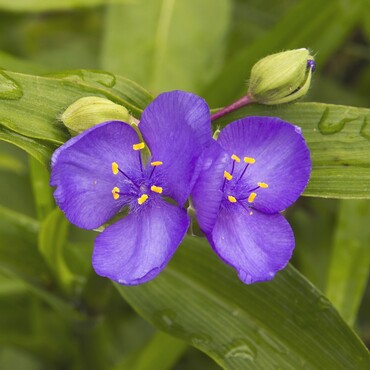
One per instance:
[(204, 46)]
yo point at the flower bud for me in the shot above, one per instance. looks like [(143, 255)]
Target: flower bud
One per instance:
[(282, 77), (91, 110)]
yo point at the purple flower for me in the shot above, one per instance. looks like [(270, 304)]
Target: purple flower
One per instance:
[(103, 171), (258, 167)]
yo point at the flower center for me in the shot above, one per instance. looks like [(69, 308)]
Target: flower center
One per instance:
[(139, 189), (240, 193)]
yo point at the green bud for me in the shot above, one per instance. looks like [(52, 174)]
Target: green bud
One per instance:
[(282, 77), (89, 111)]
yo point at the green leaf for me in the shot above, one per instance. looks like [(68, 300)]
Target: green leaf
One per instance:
[(18, 253), (47, 5), (52, 241), (10, 163), (320, 26), (14, 359), (166, 44), (339, 140), (20, 224), (20, 259), (285, 323), (38, 149), (30, 106), (350, 258), (161, 352), (313, 254), (9, 287), (42, 191)]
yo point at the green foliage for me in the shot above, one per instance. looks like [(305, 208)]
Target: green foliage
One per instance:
[(45, 5), (309, 23), (284, 324), (350, 258), (42, 191), (161, 352), (52, 240), (55, 313), (175, 57)]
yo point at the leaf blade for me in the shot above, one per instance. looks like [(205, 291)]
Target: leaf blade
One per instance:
[(285, 323), (166, 42), (350, 258)]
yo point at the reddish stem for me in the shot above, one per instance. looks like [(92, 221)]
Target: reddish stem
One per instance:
[(245, 100)]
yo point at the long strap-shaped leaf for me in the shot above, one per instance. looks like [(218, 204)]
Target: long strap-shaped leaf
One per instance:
[(285, 324)]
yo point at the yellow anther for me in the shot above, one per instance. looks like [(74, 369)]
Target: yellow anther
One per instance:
[(142, 199), (250, 213), (231, 199), (156, 163), (228, 176), (115, 192), (249, 160), (114, 168), (235, 158), (262, 185), (138, 146), (156, 189), (252, 197)]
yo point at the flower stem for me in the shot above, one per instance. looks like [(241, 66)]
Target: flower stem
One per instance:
[(243, 101)]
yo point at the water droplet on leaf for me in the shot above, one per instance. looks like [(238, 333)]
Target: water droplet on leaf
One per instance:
[(199, 340), (330, 127), (167, 320), (85, 76), (9, 88), (242, 349), (365, 129), (167, 317)]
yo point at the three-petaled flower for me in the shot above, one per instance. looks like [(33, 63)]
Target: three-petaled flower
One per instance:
[(258, 167), (103, 171)]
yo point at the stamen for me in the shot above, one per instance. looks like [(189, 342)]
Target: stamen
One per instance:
[(231, 199), (252, 197), (245, 168), (262, 185), (115, 193), (228, 176), (235, 158), (138, 146), (249, 160), (142, 199), (250, 213), (115, 168), (156, 163), (156, 189)]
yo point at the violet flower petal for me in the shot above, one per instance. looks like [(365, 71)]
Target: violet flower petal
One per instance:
[(256, 245), (82, 172), (282, 159), (177, 126), (207, 194), (137, 248)]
